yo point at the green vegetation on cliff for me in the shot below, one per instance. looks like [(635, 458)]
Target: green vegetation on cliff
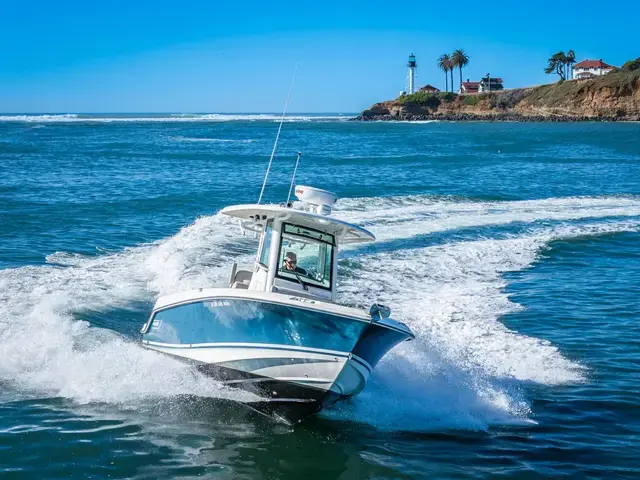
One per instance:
[(631, 65), (425, 99)]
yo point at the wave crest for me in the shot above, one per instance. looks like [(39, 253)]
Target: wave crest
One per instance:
[(209, 117)]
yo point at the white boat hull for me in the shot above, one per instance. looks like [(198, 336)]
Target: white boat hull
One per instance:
[(295, 378), (333, 371)]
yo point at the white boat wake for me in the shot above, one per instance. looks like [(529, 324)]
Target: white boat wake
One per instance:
[(464, 370)]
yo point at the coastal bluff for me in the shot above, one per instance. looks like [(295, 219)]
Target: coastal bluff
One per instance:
[(611, 97)]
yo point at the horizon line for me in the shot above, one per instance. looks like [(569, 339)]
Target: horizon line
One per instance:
[(69, 112)]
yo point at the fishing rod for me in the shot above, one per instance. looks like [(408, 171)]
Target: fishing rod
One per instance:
[(275, 144)]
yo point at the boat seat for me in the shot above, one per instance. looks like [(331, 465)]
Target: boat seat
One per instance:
[(242, 279)]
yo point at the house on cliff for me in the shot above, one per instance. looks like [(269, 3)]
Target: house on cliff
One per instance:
[(490, 85), (590, 68), (469, 88), (484, 85), (429, 89)]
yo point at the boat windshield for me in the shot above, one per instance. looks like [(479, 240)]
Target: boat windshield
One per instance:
[(306, 256)]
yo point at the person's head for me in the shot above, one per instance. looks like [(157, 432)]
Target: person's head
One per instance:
[(290, 261)]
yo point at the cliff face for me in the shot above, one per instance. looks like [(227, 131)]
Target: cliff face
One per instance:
[(615, 96)]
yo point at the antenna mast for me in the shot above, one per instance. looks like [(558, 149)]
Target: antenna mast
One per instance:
[(275, 144), (293, 178)]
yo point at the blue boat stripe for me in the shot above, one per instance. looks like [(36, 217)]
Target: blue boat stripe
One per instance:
[(282, 303), (274, 347), (362, 362)]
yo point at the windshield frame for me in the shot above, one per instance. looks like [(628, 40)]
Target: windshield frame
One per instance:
[(309, 281), (265, 241)]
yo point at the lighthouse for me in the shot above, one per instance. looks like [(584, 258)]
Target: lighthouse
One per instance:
[(412, 73)]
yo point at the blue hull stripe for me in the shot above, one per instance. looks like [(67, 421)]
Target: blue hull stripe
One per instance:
[(359, 361), (283, 347)]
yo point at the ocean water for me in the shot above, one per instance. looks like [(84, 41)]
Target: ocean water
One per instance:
[(512, 251)]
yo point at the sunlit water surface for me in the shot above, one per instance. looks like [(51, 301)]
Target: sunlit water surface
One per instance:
[(511, 250)]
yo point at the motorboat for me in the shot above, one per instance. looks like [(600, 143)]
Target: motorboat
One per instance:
[(276, 329)]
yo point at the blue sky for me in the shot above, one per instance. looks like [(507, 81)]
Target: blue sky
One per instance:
[(212, 56)]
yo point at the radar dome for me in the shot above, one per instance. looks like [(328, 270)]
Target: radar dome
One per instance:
[(322, 200)]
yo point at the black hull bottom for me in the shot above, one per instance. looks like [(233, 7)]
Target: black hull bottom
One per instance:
[(286, 401)]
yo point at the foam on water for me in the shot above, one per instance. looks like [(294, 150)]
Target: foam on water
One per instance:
[(211, 140), (395, 217), (42, 347), (465, 369), (68, 117), (452, 297), (210, 117)]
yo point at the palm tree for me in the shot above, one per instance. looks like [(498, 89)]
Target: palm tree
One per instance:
[(451, 67), (460, 59), (444, 63)]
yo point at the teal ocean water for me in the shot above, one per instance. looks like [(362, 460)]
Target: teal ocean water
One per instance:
[(512, 250)]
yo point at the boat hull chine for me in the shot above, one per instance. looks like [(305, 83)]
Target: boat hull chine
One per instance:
[(286, 398), (308, 367), (288, 401)]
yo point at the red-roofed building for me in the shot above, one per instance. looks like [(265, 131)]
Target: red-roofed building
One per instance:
[(469, 88), (590, 68), (429, 89)]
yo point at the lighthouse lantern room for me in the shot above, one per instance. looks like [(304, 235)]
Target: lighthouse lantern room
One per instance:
[(412, 73)]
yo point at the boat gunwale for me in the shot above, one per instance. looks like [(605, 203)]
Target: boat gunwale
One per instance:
[(307, 304)]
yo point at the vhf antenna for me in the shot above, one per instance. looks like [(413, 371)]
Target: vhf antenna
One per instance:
[(293, 178), (275, 144)]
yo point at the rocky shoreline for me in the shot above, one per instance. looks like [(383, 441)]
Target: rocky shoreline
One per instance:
[(614, 97), (506, 117)]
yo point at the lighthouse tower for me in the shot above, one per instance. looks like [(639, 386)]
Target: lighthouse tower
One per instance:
[(412, 73)]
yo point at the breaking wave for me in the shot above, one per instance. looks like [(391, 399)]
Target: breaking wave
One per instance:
[(211, 140), (210, 117), (69, 117)]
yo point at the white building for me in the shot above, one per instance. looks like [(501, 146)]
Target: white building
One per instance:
[(486, 84), (489, 84), (590, 68)]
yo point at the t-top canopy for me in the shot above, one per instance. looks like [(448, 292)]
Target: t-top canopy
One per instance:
[(346, 232)]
